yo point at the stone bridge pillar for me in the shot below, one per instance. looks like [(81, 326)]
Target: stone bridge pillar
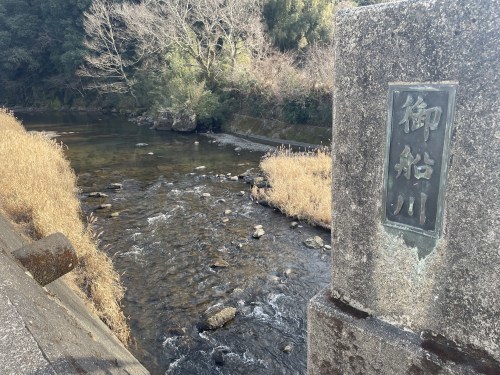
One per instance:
[(416, 193)]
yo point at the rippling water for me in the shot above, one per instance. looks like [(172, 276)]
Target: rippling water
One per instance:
[(168, 236)]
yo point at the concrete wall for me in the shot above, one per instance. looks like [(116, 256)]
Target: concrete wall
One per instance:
[(49, 330), (277, 131), (444, 290)]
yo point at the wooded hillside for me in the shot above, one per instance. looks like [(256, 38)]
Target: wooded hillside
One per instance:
[(206, 57)]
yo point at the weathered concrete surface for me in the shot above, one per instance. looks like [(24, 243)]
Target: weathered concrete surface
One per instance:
[(448, 294), (277, 131), (352, 343), (454, 290), (49, 330), (20, 352), (48, 258)]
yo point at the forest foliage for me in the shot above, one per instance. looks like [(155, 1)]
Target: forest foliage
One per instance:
[(269, 58)]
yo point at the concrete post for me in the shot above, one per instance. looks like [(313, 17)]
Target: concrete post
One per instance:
[(48, 259)]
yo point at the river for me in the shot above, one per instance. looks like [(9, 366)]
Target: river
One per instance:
[(168, 237)]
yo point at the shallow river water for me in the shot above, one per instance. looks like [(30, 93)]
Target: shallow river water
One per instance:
[(168, 237)]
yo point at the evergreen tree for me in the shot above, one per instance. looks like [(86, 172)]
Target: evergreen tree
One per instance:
[(295, 24), (41, 44)]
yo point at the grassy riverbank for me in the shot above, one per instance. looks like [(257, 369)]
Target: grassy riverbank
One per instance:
[(38, 191), (300, 184)]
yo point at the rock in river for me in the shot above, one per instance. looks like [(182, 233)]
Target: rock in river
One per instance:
[(218, 355), (259, 232), (97, 194), (287, 348), (220, 318), (220, 263), (115, 186), (184, 121), (315, 242)]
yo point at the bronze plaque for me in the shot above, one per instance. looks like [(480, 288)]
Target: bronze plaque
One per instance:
[(418, 139)]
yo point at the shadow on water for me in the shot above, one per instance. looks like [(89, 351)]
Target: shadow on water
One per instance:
[(168, 237)]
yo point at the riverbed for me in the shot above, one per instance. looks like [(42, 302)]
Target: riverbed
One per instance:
[(182, 241)]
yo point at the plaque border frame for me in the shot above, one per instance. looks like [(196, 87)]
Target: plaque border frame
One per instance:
[(451, 88)]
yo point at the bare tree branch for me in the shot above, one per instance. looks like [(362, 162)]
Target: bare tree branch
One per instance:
[(213, 33), (105, 62)]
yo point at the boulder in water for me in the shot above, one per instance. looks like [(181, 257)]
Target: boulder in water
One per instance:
[(220, 318), (184, 121), (315, 242), (259, 232), (218, 355), (164, 121)]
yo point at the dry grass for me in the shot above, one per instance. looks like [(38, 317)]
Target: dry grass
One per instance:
[(38, 190), (300, 184)]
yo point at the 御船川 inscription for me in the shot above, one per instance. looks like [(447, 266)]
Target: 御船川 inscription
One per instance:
[(418, 137)]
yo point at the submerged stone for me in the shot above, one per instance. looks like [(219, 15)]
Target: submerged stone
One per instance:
[(115, 186), (97, 194), (315, 242)]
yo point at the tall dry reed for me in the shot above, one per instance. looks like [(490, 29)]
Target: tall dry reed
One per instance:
[(38, 190), (300, 184)]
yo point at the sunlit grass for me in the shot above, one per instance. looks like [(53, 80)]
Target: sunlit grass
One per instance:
[(38, 191), (300, 184)]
